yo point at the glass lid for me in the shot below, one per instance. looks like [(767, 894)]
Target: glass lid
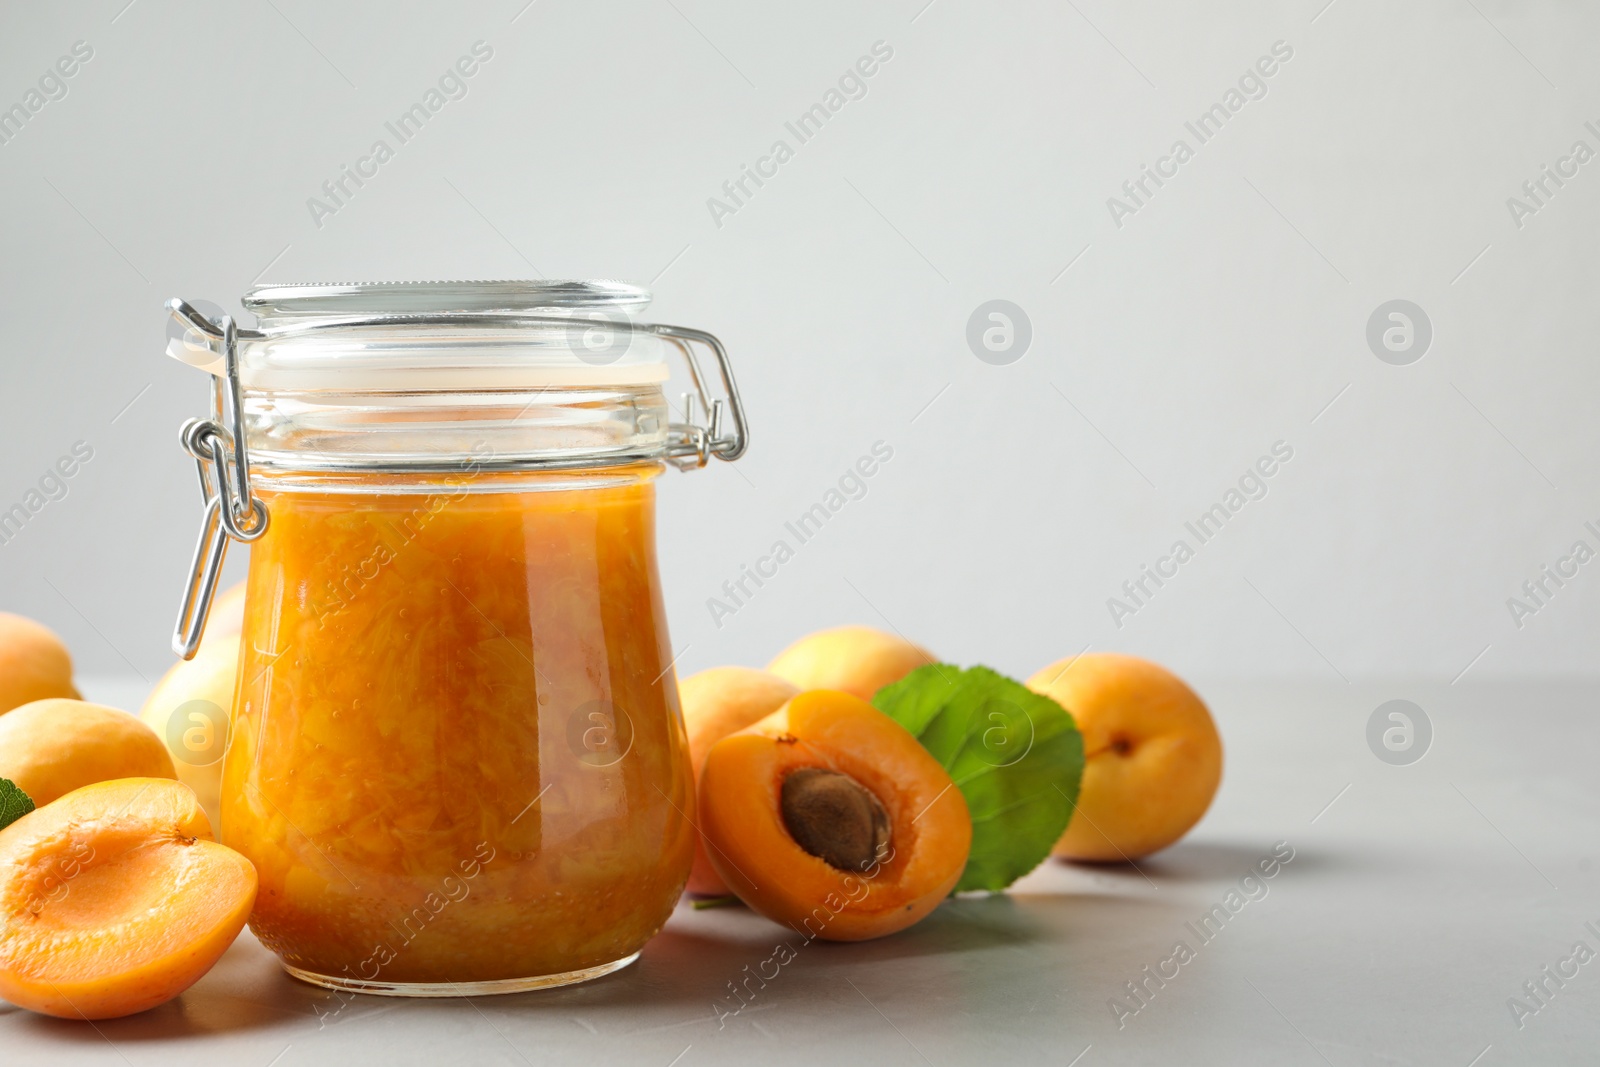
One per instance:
[(281, 303), (441, 335)]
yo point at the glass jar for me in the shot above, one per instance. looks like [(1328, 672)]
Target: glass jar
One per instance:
[(456, 757)]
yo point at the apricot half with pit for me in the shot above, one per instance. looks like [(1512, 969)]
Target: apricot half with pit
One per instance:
[(855, 659), (716, 703), (831, 818), (114, 899), (1152, 756)]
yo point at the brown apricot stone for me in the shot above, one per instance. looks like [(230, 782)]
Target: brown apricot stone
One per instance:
[(835, 818)]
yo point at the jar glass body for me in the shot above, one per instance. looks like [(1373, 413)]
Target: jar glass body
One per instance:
[(457, 758)]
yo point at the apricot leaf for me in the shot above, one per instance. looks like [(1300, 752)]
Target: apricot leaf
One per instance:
[(1016, 756), (14, 803)]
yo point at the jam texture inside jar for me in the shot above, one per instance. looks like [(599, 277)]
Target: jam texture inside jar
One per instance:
[(456, 757), (453, 757)]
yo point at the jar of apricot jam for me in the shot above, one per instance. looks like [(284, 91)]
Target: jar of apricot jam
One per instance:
[(456, 757)]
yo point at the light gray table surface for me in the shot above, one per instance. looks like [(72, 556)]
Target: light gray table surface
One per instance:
[(1419, 901)]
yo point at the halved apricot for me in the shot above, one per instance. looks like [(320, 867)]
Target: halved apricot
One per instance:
[(114, 899), (831, 818), (717, 702)]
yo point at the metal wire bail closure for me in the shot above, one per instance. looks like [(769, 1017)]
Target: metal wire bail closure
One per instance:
[(222, 462), (692, 445), (223, 465)]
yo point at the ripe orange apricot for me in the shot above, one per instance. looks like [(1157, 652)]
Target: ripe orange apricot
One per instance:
[(856, 659), (227, 612), (716, 703), (191, 705), (114, 899), (1152, 756), (831, 818), (34, 664), (190, 708), (51, 747)]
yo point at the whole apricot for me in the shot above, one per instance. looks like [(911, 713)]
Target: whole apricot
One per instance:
[(1152, 756), (114, 899), (831, 818), (51, 747), (227, 612), (855, 659), (190, 709), (716, 703), (34, 664)]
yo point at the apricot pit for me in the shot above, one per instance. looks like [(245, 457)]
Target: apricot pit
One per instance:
[(835, 818)]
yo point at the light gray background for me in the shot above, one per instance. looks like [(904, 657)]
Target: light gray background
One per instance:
[(1167, 355), (1225, 315)]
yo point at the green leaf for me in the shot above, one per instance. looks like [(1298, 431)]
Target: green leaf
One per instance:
[(14, 803), (1016, 756)]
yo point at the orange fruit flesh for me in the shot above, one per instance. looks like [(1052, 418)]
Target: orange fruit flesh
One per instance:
[(115, 900), (457, 754), (750, 847), (716, 703)]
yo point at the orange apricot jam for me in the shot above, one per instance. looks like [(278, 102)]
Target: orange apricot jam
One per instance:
[(457, 754)]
